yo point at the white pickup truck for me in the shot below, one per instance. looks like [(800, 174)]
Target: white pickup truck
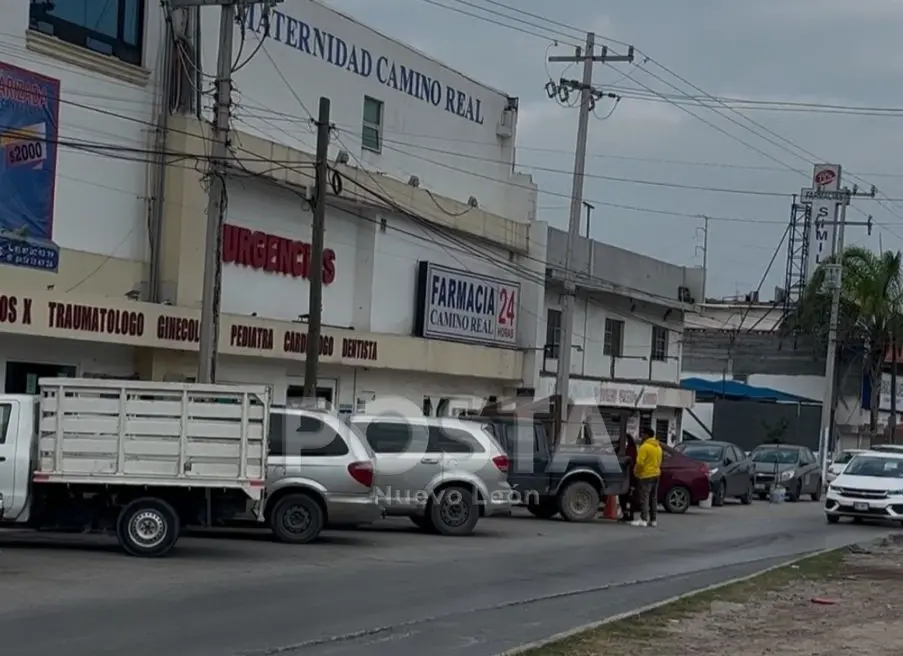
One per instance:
[(137, 459)]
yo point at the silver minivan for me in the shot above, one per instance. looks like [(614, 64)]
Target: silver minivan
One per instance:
[(442, 473), (319, 471)]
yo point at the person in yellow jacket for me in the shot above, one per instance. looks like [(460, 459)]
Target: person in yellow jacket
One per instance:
[(648, 470)]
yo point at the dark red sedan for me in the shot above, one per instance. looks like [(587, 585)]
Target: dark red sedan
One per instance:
[(684, 482)]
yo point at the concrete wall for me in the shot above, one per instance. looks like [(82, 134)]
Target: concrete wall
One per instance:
[(750, 353), (588, 359), (437, 124), (626, 269)]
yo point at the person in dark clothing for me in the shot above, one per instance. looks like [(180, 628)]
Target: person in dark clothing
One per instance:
[(627, 500)]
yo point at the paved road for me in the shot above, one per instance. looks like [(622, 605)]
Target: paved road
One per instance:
[(380, 592)]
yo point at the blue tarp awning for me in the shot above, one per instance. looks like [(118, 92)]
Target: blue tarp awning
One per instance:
[(733, 389)]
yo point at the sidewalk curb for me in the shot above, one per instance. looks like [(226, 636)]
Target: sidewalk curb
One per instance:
[(536, 644)]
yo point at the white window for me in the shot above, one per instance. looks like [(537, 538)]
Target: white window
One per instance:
[(614, 338), (372, 133), (553, 332), (659, 343)]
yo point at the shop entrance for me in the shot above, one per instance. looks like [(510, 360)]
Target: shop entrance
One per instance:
[(294, 395), (22, 377)]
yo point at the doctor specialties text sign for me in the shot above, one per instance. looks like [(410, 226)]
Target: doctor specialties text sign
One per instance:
[(464, 306)]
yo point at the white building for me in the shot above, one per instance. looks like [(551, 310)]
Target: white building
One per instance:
[(417, 228), (628, 331)]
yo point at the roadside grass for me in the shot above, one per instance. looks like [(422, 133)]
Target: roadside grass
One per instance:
[(653, 624)]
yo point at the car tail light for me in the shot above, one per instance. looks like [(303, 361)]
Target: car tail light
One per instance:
[(501, 463), (362, 472), (704, 469)]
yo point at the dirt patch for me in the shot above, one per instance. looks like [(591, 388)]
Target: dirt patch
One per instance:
[(773, 615)]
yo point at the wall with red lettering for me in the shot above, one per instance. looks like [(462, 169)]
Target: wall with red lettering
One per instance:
[(266, 256)]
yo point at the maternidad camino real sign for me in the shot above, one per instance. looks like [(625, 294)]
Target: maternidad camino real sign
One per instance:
[(464, 306)]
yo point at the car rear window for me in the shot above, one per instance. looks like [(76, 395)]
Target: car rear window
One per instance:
[(300, 435), (776, 456), (703, 452)]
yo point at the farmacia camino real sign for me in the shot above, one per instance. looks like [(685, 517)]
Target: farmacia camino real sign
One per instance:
[(467, 307)]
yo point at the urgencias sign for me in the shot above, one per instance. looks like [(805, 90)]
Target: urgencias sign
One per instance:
[(263, 251), (354, 58)]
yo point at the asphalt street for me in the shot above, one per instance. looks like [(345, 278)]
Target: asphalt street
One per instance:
[(381, 591)]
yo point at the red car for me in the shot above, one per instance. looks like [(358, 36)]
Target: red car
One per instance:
[(684, 481)]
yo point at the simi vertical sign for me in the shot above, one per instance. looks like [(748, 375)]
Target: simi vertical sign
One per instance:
[(822, 226), (465, 307), (29, 140)]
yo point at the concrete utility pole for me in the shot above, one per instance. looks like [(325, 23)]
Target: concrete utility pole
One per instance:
[(834, 281), (588, 96), (219, 154), (315, 272), (589, 215), (705, 252)]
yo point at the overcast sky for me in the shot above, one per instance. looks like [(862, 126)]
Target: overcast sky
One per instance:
[(829, 52)]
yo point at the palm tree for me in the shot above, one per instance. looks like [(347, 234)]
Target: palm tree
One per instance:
[(871, 310)]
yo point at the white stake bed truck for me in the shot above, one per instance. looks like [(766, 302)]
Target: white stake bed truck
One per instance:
[(140, 460)]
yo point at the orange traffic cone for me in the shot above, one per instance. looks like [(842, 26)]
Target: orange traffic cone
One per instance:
[(611, 507)]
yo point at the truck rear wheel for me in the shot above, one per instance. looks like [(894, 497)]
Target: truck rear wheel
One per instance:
[(148, 528), (578, 501)]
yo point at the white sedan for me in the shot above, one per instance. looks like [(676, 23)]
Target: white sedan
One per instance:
[(840, 462), (869, 487)]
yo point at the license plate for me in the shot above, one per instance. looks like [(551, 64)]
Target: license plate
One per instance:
[(761, 486), (860, 506)]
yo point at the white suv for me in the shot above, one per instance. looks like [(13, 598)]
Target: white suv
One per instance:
[(442, 473), (869, 487)]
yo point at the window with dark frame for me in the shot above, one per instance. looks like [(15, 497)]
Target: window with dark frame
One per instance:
[(107, 27), (645, 422), (553, 333), (659, 343), (614, 338), (6, 411), (452, 440), (372, 131), (661, 428)]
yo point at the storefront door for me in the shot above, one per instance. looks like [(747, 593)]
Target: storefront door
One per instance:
[(294, 394), (22, 377)]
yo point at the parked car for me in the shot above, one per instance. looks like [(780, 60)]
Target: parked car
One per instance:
[(869, 487), (887, 448), (570, 479), (442, 473), (684, 481), (730, 469), (792, 467), (841, 461), (319, 471)]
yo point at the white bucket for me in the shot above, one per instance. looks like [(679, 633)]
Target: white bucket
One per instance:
[(707, 502), (777, 495)]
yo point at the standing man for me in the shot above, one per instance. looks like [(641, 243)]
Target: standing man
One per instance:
[(648, 470), (627, 501)]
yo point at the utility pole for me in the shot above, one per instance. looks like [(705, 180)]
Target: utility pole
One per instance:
[(704, 249), (892, 422), (588, 96), (834, 280), (216, 174), (589, 211), (315, 272)]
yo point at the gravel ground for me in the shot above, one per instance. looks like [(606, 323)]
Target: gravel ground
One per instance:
[(864, 588)]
